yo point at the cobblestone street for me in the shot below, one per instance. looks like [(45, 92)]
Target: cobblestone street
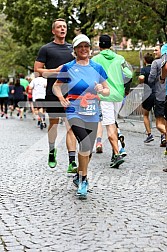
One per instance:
[(126, 210)]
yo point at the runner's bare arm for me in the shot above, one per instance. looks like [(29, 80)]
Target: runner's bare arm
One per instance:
[(40, 70), (102, 88), (57, 91)]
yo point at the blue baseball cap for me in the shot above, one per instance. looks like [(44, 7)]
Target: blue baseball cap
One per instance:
[(164, 49)]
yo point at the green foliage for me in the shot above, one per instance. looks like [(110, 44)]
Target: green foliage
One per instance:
[(8, 51), (132, 57), (29, 23)]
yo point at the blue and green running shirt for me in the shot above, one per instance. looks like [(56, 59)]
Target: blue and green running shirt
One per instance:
[(80, 80)]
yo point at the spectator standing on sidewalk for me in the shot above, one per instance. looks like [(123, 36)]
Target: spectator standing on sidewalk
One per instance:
[(149, 95), (84, 80), (48, 62), (159, 90), (115, 67)]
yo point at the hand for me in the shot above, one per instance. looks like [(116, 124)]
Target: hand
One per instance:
[(64, 102), (141, 79), (98, 87)]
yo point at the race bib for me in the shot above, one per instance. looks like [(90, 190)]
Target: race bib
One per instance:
[(91, 109)]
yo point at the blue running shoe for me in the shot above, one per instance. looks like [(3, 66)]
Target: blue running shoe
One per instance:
[(82, 189), (122, 152)]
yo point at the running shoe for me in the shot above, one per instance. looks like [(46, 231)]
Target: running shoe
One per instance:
[(122, 152), (121, 138), (52, 158), (42, 125), (38, 123), (72, 168), (149, 139), (116, 161), (163, 141), (112, 158), (82, 189), (112, 161), (99, 148), (2, 114), (76, 180), (165, 152)]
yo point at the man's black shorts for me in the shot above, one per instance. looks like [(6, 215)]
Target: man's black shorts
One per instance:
[(148, 104), (54, 107), (159, 108), (39, 103)]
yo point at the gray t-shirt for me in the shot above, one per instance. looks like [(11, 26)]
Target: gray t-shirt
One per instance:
[(154, 82)]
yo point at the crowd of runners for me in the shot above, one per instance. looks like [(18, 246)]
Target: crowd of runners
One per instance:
[(86, 93)]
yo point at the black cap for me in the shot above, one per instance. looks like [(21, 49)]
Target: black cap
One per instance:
[(105, 41)]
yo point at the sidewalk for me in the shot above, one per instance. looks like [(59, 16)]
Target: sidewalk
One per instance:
[(125, 212)]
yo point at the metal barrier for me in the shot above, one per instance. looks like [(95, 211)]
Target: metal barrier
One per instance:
[(132, 105)]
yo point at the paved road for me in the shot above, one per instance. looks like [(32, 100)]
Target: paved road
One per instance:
[(126, 211)]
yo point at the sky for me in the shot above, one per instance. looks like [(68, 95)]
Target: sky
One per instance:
[(54, 2)]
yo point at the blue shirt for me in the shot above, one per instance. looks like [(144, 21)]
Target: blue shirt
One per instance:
[(4, 90), (80, 80)]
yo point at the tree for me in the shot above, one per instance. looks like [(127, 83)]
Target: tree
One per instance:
[(30, 21), (144, 20), (9, 51)]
